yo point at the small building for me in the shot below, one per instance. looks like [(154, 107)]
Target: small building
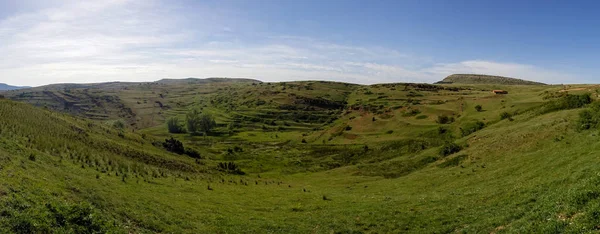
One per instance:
[(499, 91)]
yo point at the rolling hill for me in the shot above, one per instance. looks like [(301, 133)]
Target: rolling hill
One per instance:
[(485, 79), (297, 157), (4, 87)]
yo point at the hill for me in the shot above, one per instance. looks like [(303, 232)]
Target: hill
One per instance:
[(4, 87), (485, 79), (297, 157)]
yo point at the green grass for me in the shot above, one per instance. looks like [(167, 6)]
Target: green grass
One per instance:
[(536, 173)]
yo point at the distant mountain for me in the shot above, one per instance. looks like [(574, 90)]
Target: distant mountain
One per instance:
[(485, 79), (192, 80), (9, 87)]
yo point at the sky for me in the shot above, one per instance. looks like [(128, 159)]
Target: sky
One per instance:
[(366, 42)]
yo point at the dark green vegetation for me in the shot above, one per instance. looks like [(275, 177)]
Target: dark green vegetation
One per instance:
[(485, 79), (241, 156)]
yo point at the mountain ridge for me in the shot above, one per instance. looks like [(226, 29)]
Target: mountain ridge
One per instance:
[(485, 79), (6, 87)]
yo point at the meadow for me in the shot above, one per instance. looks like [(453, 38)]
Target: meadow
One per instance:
[(298, 157)]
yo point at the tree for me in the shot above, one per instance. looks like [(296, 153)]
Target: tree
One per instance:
[(174, 126), (478, 108), (192, 119), (199, 122), (207, 123)]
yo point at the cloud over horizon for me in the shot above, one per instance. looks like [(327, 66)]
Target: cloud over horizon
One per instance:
[(122, 40)]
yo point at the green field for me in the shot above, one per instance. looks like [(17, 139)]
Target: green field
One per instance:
[(311, 157)]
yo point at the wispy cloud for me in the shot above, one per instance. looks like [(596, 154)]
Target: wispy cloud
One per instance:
[(95, 41)]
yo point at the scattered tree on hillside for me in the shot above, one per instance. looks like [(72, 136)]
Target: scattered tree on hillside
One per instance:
[(200, 122), (478, 108), (174, 126), (192, 119), (207, 123)]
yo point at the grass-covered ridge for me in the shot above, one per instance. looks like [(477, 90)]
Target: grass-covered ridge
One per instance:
[(485, 79), (299, 157)]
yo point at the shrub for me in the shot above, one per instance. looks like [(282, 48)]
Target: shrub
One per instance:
[(174, 126), (589, 119), (444, 119), (505, 115), (472, 127), (260, 102), (478, 108), (449, 148), (173, 145), (238, 149), (453, 161), (569, 101), (348, 128), (192, 153), (412, 112), (230, 167), (119, 124), (421, 117)]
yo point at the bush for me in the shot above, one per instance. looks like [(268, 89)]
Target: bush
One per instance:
[(444, 119), (569, 101), (589, 119), (478, 108), (173, 145), (449, 148), (472, 127), (412, 112), (118, 124), (230, 167), (453, 161), (422, 117), (192, 153), (505, 115), (174, 126)]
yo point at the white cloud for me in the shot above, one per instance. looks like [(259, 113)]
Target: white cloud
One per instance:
[(97, 41)]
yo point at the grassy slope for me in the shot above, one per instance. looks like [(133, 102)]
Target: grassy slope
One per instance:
[(531, 174), (485, 79)]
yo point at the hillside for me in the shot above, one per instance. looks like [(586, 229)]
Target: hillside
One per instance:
[(309, 156), (485, 79), (4, 87)]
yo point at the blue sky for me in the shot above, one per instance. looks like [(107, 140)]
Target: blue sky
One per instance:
[(68, 41)]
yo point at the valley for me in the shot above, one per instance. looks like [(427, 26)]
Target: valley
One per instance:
[(298, 157)]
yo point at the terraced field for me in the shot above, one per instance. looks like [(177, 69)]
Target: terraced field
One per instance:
[(299, 157)]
